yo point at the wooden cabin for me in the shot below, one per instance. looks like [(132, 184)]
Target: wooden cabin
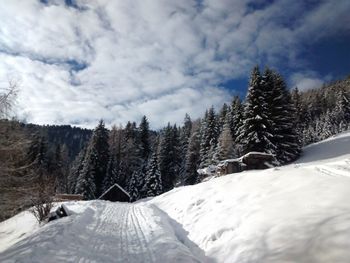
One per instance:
[(250, 161), (115, 194), (258, 160)]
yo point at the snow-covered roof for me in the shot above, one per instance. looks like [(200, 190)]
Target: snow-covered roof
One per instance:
[(258, 153), (117, 185)]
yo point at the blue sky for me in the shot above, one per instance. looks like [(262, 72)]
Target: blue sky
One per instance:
[(78, 61)]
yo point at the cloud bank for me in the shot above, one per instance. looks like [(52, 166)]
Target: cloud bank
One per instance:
[(83, 60)]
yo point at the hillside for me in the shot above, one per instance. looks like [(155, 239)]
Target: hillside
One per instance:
[(296, 213)]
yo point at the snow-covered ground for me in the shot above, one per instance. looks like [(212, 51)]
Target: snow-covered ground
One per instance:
[(98, 231), (297, 213)]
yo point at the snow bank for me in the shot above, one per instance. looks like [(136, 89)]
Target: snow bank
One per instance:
[(297, 213)]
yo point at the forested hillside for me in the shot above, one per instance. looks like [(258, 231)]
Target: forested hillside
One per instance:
[(272, 119)]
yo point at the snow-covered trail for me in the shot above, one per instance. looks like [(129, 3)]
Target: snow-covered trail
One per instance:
[(103, 232)]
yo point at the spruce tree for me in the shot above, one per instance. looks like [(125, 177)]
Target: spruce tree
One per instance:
[(145, 148), (95, 164), (225, 147), (283, 116), (209, 137), (254, 133), (193, 159), (153, 182), (86, 184), (185, 134), (133, 187), (169, 162), (75, 170)]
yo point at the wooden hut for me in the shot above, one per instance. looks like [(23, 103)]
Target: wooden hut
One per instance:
[(115, 194), (258, 160), (250, 161)]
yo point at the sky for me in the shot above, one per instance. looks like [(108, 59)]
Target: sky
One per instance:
[(77, 61)]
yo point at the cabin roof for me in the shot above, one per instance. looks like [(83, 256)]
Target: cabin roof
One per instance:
[(115, 185)]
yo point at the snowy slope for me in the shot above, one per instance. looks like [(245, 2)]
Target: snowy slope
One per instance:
[(100, 231), (297, 213)]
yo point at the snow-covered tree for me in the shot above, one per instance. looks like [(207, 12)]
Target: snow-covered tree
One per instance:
[(153, 182), (185, 134), (192, 159), (209, 137), (75, 170), (95, 164), (282, 115), (144, 139), (225, 147), (254, 133), (169, 151)]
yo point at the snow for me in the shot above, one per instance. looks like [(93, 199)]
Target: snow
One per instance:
[(117, 185), (102, 231), (297, 213)]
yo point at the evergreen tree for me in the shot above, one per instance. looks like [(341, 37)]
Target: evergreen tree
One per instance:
[(209, 137), (60, 169), (283, 118), (185, 134), (86, 184), (236, 116), (131, 160), (95, 164), (341, 111), (153, 182), (112, 173), (145, 148), (225, 147), (193, 159), (75, 170), (222, 116), (169, 157), (254, 134), (133, 187)]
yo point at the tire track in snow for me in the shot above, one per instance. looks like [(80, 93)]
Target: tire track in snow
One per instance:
[(141, 236), (146, 223)]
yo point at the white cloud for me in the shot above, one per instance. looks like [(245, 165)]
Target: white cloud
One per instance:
[(154, 57), (308, 80)]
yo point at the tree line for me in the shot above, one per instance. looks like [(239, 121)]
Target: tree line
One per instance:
[(272, 119)]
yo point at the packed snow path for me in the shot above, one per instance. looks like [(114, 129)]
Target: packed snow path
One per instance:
[(103, 232)]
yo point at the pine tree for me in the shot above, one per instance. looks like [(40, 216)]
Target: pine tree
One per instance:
[(60, 169), (133, 187), (341, 111), (169, 157), (75, 170), (222, 116), (282, 114), (193, 159), (153, 182), (185, 134), (112, 173), (145, 148), (209, 137), (254, 134), (86, 184), (95, 164), (225, 147), (131, 160), (236, 116)]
